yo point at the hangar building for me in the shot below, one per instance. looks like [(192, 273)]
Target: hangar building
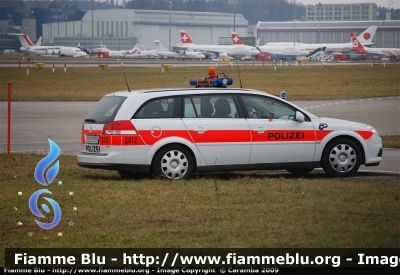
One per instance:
[(386, 36), (121, 29)]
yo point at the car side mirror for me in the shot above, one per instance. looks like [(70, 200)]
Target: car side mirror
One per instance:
[(299, 116)]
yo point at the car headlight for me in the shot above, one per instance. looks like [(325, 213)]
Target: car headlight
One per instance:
[(369, 127)]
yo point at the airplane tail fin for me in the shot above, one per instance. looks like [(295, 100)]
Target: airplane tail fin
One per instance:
[(159, 46), (24, 40), (185, 38), (39, 41), (258, 42), (236, 39), (367, 36), (135, 50), (356, 45)]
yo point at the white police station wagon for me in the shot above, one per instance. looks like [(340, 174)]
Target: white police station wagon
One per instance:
[(177, 132)]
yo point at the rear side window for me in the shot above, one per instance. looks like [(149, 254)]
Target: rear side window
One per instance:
[(210, 106), (105, 110), (167, 107)]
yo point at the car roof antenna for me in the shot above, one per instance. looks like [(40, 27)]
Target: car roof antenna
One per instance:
[(240, 79), (126, 82)]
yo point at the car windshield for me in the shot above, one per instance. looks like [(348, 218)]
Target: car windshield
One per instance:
[(105, 110)]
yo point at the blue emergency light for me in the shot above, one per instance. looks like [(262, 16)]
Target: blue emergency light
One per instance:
[(211, 82)]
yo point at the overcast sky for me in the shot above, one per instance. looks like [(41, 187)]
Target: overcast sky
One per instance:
[(383, 3)]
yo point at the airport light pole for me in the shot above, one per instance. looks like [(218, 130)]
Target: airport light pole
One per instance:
[(170, 6), (58, 25), (92, 24), (119, 36), (234, 16), (48, 33), (319, 24), (294, 22)]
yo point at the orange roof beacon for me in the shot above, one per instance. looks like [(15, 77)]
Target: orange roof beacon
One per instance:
[(212, 72)]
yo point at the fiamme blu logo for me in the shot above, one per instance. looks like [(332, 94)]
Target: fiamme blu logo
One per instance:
[(45, 178)]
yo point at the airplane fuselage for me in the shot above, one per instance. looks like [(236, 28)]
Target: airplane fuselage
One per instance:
[(232, 50)]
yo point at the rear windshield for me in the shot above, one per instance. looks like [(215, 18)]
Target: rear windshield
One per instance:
[(105, 110)]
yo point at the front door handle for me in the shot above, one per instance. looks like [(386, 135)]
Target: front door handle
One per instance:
[(259, 130), (200, 130)]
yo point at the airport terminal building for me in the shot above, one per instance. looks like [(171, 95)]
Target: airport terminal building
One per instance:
[(121, 29)]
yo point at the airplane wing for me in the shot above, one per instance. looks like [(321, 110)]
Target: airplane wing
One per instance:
[(391, 53), (199, 48)]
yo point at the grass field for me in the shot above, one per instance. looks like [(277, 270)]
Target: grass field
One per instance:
[(221, 210), (308, 82), (265, 209)]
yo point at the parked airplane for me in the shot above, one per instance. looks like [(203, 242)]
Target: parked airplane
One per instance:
[(365, 38), (136, 52), (162, 51), (275, 49), (359, 48), (219, 50), (30, 48)]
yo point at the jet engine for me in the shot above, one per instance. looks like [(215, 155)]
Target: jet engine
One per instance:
[(53, 51)]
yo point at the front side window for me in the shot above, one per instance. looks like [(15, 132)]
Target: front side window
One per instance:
[(210, 106), (261, 107)]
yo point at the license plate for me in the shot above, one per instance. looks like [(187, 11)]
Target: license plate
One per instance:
[(92, 139), (92, 149)]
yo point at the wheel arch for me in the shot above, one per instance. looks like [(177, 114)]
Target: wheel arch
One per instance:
[(152, 153), (172, 144), (352, 138)]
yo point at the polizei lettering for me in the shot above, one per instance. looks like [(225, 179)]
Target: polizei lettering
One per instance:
[(285, 135)]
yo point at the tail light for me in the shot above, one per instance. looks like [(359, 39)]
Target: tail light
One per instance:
[(83, 128), (122, 127)]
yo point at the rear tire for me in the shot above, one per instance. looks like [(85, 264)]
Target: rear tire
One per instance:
[(300, 171), (173, 162), (341, 158)]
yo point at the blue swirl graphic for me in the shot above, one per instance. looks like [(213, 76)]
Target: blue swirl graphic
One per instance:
[(35, 210), (45, 162)]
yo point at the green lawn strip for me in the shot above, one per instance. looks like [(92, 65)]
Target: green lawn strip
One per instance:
[(391, 141), (305, 83), (237, 210)]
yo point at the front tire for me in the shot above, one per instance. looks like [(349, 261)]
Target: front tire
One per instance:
[(173, 162), (341, 158)]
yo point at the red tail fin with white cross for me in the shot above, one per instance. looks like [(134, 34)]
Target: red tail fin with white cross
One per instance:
[(236, 39), (185, 38)]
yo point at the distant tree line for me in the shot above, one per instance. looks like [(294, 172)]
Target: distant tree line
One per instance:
[(395, 14)]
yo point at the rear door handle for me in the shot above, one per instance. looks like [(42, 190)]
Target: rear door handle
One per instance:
[(200, 130), (259, 130)]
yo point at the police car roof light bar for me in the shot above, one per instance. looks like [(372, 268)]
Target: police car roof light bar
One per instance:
[(211, 82)]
